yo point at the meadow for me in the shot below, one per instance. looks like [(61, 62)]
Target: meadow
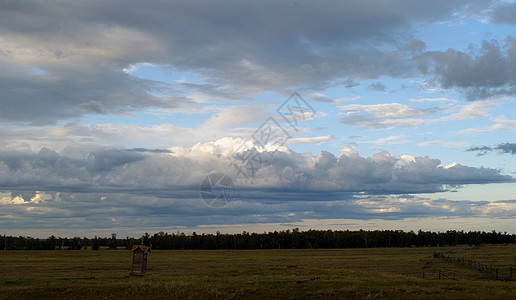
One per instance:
[(400, 273)]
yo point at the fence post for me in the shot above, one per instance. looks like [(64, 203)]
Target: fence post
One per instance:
[(497, 273), (510, 272), (439, 274)]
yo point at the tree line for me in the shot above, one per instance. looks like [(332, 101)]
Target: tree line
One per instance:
[(287, 239)]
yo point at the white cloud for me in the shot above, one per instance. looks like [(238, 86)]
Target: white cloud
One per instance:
[(447, 144), (325, 99), (475, 110), (441, 100), (388, 115), (230, 117), (501, 123), (121, 170), (390, 140), (310, 140), (388, 110), (135, 67), (7, 198)]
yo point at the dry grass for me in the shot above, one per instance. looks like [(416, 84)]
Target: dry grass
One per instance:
[(254, 274)]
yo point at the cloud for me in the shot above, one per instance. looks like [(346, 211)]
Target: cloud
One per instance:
[(504, 14), (475, 110), (507, 148), (482, 150), (349, 83), (111, 170), (442, 100), (486, 75), (46, 99), (442, 143), (235, 116), (504, 148), (500, 123), (93, 106), (93, 49), (390, 140), (102, 213), (150, 150), (108, 188), (377, 86), (389, 115), (325, 99), (310, 140)]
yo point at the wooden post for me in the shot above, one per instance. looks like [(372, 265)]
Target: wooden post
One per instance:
[(496, 272), (439, 274), (510, 272)]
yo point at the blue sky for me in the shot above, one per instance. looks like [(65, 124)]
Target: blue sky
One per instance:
[(113, 114)]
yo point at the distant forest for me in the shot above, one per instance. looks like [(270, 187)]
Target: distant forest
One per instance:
[(288, 239)]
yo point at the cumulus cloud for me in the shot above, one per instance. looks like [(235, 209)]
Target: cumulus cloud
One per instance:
[(483, 76), (155, 171), (156, 188)]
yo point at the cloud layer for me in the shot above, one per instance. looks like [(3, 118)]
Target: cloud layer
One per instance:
[(156, 172), (159, 188), (77, 59)]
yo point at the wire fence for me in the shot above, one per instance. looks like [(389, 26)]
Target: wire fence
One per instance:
[(499, 272)]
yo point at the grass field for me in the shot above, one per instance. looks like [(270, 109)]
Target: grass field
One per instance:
[(255, 274)]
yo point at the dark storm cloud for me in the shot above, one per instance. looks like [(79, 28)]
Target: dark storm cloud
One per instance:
[(80, 49), (490, 73)]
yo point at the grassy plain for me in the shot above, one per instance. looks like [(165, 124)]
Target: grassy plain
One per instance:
[(255, 274)]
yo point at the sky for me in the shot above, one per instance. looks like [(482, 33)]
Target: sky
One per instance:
[(130, 117)]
